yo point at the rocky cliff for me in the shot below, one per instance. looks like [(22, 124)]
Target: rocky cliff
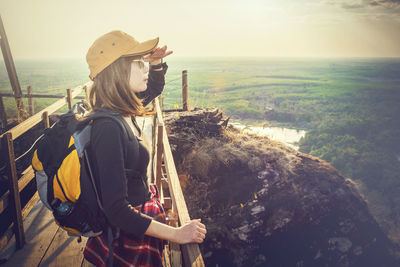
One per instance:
[(265, 204)]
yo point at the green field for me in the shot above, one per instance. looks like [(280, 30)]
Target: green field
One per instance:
[(349, 107), (45, 77)]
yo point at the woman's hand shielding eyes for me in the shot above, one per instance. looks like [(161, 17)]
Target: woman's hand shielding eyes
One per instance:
[(156, 55)]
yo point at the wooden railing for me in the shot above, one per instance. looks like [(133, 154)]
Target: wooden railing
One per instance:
[(11, 198), (191, 252), (31, 96)]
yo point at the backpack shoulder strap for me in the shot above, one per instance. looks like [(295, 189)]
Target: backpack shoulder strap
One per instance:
[(105, 113)]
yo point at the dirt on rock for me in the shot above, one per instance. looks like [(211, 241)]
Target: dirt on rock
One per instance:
[(265, 204)]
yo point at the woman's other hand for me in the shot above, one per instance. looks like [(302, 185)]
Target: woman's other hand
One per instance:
[(192, 232), (154, 58)]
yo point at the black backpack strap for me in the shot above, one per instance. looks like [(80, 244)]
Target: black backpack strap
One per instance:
[(106, 113), (110, 237), (110, 240)]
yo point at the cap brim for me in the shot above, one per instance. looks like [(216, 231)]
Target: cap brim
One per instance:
[(142, 48)]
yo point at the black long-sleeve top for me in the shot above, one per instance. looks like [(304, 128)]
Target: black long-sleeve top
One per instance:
[(120, 162)]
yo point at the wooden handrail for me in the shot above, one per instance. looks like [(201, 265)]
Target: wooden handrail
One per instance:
[(160, 120), (35, 119), (38, 96), (191, 252), (160, 125), (27, 176), (173, 181)]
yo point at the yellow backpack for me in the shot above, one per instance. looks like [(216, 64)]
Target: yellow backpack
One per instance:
[(63, 174)]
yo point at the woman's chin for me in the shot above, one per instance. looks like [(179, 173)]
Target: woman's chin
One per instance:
[(139, 90)]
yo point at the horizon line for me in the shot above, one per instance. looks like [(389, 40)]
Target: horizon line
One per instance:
[(220, 57)]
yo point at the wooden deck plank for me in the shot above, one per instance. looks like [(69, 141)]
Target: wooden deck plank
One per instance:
[(40, 230), (30, 205), (47, 244), (9, 235), (64, 250)]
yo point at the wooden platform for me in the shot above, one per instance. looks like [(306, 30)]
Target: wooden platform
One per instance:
[(46, 243)]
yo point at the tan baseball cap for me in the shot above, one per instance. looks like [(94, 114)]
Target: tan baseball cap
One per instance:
[(113, 45)]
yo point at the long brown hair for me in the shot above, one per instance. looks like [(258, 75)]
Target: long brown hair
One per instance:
[(111, 90)]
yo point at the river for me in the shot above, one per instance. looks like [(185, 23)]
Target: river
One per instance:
[(290, 137)]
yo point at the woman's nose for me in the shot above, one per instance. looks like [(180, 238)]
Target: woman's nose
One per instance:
[(146, 68)]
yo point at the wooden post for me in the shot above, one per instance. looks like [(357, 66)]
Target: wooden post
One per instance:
[(86, 93), (3, 114), (159, 155), (15, 201), (12, 73), (176, 254), (69, 98), (185, 91), (167, 203), (153, 143), (45, 119), (30, 101)]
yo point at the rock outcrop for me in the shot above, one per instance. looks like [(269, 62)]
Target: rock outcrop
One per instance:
[(265, 204)]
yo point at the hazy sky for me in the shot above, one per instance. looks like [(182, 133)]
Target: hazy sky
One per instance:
[(284, 28)]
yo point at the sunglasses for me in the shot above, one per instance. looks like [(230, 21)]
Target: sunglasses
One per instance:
[(140, 62)]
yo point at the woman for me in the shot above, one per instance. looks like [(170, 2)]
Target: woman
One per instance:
[(120, 158)]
